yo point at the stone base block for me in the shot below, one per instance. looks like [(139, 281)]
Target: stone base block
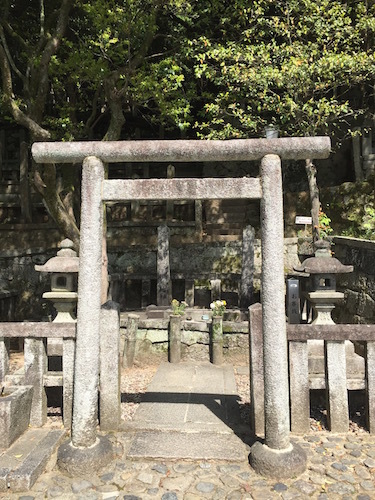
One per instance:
[(84, 461), (278, 464), (15, 407)]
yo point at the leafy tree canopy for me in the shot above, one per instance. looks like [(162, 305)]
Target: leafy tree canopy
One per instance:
[(105, 69), (306, 66)]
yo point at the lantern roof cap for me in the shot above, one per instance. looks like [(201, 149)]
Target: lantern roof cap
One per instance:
[(322, 265), (66, 260)]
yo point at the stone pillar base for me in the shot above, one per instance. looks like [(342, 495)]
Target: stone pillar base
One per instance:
[(278, 464), (84, 461)]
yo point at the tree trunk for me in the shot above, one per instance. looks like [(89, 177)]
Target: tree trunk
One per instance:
[(114, 98), (55, 206), (314, 198)]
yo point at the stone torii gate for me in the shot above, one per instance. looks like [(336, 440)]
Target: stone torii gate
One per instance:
[(86, 451)]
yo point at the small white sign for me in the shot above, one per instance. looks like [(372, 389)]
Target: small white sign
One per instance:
[(301, 219)]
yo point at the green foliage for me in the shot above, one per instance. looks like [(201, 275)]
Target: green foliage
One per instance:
[(213, 69), (324, 228), (178, 308), (352, 209), (363, 224), (291, 63)]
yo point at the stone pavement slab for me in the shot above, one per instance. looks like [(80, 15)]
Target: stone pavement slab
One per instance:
[(23, 462), (190, 410), (188, 445)]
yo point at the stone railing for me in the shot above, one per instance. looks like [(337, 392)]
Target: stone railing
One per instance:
[(37, 374), (336, 378)]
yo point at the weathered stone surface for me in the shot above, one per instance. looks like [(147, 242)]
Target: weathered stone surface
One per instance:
[(83, 461), (180, 483), (24, 476), (276, 396), (78, 486), (161, 468), (182, 150), (204, 487), (280, 487), (110, 392), (85, 404), (15, 407), (277, 464), (164, 285)]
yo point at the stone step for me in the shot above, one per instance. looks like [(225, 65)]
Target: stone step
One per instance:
[(23, 462), (190, 410), (189, 446)]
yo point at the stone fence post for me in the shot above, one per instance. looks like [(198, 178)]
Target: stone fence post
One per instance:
[(217, 340), (35, 369), (174, 338), (164, 288), (247, 272), (130, 340), (4, 357), (110, 392)]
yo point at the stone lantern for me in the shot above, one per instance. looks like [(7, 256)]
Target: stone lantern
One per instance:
[(322, 293), (64, 269)]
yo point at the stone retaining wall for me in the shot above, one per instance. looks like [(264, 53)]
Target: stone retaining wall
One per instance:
[(359, 286), (152, 341)]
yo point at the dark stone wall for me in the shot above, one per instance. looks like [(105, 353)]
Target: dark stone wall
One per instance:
[(359, 286)]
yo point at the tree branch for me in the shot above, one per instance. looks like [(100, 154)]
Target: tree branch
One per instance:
[(51, 47), (7, 52), (36, 131)]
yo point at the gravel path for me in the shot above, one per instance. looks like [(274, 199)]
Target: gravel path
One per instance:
[(339, 466)]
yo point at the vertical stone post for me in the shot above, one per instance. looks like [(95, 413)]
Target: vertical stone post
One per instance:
[(189, 292), (4, 357), (198, 209), (215, 290), (86, 452), (299, 387), (110, 392), (370, 385), (174, 338), (217, 340), (336, 388), (35, 369), (277, 457), (69, 346), (130, 340), (171, 172), (247, 272), (256, 369), (164, 289)]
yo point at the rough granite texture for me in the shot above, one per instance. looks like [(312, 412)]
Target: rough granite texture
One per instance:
[(275, 353), (279, 464), (294, 148), (85, 403)]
